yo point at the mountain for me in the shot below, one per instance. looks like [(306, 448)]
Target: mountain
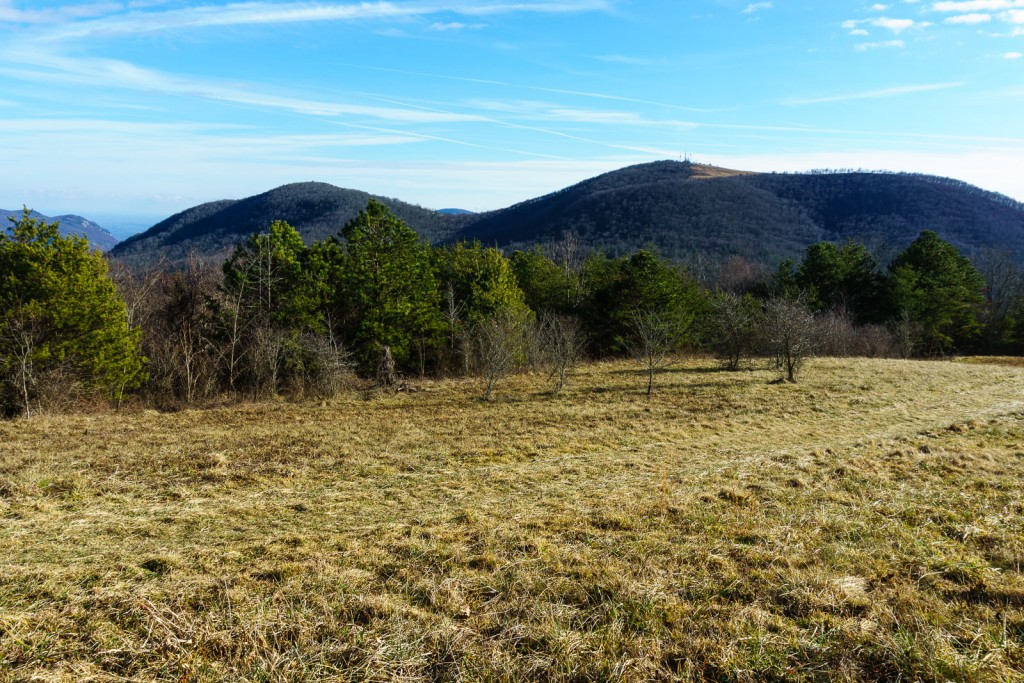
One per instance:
[(695, 213), (316, 210), (692, 213), (98, 237)]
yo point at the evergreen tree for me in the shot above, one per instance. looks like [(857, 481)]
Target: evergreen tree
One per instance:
[(266, 274), (641, 283), (481, 280), (60, 316), (387, 288), (941, 292), (847, 276), (546, 287)]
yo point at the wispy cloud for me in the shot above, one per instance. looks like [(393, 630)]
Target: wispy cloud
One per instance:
[(976, 18), (632, 61), (536, 88), (455, 26), (1012, 55), (881, 44), (53, 68), (269, 13), (756, 7), (873, 94), (54, 15)]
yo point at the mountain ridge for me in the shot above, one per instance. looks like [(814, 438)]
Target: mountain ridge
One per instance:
[(98, 236), (317, 210), (691, 213)]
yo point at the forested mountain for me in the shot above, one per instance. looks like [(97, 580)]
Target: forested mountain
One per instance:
[(99, 238), (690, 213), (317, 210)]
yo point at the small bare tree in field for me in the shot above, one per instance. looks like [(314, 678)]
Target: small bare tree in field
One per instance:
[(736, 319), (326, 367), (21, 336), (790, 332), (654, 336), (498, 348), (562, 342)]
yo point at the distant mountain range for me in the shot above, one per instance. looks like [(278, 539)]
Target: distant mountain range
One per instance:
[(98, 237), (691, 213)]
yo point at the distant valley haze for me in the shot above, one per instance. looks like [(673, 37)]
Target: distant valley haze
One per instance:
[(127, 113)]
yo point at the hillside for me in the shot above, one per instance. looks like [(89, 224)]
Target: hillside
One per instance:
[(317, 210), (691, 212), (98, 237)]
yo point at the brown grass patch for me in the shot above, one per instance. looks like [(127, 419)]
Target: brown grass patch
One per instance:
[(725, 529)]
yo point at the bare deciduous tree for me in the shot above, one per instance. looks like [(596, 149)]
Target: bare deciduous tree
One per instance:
[(1004, 282), (21, 335), (653, 341), (735, 327), (326, 368), (562, 342), (498, 348), (790, 331)]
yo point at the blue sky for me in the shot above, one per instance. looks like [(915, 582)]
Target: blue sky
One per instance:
[(139, 108)]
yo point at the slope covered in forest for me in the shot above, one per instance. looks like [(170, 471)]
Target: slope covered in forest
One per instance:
[(688, 212)]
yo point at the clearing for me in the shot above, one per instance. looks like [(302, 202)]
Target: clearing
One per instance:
[(865, 524)]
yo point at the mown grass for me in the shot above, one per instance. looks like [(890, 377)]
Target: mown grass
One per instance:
[(865, 524)]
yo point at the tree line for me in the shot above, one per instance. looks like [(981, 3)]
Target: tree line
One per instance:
[(376, 302)]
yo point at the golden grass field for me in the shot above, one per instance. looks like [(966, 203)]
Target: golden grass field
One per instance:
[(865, 524)]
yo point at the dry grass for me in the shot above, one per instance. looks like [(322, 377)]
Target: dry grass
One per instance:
[(703, 171), (865, 524)]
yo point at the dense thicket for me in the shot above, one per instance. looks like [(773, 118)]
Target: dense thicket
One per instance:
[(376, 300)]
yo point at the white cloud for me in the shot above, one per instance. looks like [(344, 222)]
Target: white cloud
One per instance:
[(897, 26), (976, 5), (1012, 55), (875, 94), (1014, 16), (878, 8), (858, 32), (756, 7), (969, 19), (885, 43)]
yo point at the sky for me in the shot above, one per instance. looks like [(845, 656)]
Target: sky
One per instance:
[(126, 111)]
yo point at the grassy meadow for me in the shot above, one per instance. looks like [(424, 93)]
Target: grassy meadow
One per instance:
[(865, 524)]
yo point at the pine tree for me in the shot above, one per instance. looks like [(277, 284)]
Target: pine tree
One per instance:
[(387, 288), (941, 292), (60, 316)]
